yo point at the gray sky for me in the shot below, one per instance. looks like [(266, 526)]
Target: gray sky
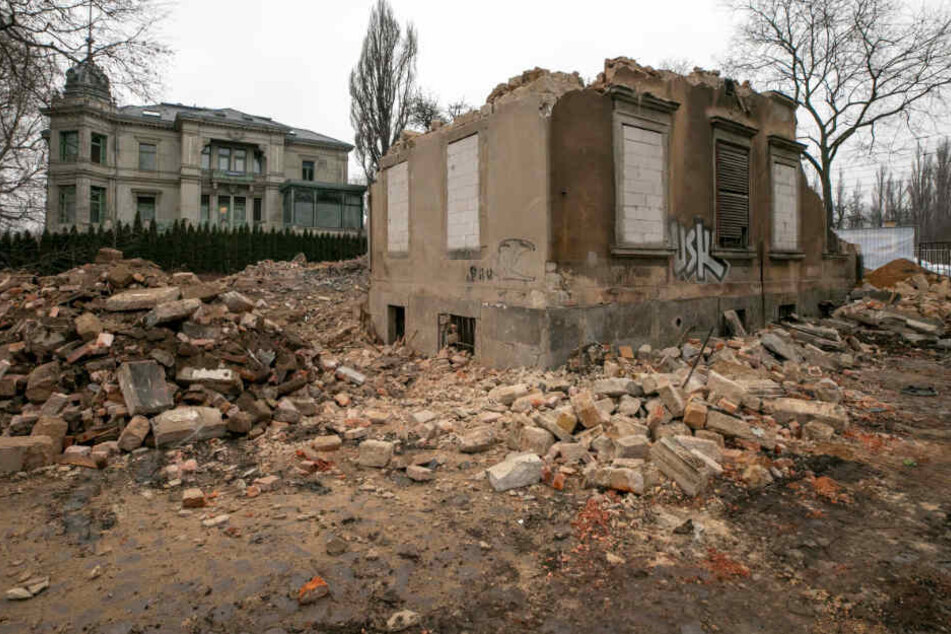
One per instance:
[(291, 59)]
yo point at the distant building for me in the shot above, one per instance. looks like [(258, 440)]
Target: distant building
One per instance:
[(169, 162)]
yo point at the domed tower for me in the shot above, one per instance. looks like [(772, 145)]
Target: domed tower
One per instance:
[(85, 79)]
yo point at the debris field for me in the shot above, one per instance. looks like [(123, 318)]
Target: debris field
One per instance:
[(218, 402)]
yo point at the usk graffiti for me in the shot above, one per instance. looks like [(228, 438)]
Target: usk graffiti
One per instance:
[(692, 258)]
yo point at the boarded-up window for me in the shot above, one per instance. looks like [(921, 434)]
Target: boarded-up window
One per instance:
[(785, 207), (462, 187), (397, 208), (643, 204), (733, 195)]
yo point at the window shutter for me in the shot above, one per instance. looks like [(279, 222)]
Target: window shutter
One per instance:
[(733, 195)]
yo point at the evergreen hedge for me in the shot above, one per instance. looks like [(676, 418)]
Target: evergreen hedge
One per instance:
[(183, 246)]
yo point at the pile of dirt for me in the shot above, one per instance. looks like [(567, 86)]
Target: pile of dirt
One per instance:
[(895, 271)]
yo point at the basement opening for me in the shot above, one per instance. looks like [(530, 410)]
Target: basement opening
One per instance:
[(786, 311), (456, 331), (395, 323)]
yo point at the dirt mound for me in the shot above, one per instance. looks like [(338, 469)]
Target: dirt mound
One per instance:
[(895, 271)]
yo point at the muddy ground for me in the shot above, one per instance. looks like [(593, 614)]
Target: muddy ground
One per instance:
[(858, 540)]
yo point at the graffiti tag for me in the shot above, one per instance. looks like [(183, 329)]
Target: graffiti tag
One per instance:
[(511, 252), (479, 274), (693, 257)]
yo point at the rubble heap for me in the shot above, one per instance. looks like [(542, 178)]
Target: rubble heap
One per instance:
[(116, 354), (916, 312)]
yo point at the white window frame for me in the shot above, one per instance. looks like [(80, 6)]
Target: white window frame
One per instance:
[(397, 195), (473, 217), (624, 120)]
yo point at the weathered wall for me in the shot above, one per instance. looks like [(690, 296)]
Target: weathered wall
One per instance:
[(502, 279), (645, 297)]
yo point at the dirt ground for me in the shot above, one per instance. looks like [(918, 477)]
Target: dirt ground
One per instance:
[(858, 540)]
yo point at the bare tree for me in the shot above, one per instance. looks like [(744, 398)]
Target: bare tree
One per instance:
[(382, 86), (856, 213), (851, 65), (39, 40), (424, 110), (879, 196), (942, 190), (457, 108), (921, 194), (841, 206)]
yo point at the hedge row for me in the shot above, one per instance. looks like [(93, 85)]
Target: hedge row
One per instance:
[(183, 246)]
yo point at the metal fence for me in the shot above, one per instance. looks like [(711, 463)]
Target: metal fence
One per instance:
[(934, 256)]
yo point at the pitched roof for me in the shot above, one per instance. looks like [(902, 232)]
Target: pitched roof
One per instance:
[(170, 112)]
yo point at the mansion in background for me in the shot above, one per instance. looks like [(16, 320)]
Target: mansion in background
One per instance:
[(169, 162)]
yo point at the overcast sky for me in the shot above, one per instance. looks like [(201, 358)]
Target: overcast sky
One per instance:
[(291, 59)]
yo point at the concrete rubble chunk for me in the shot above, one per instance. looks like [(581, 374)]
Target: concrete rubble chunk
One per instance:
[(779, 347), (636, 446), (24, 453), (695, 415), (720, 386), (671, 429), (814, 430), (710, 448), (107, 255), (205, 291), (535, 440), (193, 498), (187, 424), (788, 409), (88, 326), (586, 410), (626, 479), (528, 402), (477, 440), (345, 373), (52, 427), (142, 298), (134, 433), (331, 442), (375, 453), (615, 387), (419, 473), (224, 380), (507, 394), (144, 388), (287, 412), (729, 426), (560, 422), (673, 397), (236, 302), (516, 471), (42, 382), (424, 416), (734, 323), (689, 468), (629, 406), (402, 620), (170, 312)]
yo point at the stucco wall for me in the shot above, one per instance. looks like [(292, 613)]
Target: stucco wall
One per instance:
[(505, 276), (593, 274)]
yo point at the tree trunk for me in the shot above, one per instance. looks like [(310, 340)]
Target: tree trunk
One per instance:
[(826, 179)]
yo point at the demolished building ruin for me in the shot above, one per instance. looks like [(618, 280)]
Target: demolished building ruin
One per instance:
[(636, 209)]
